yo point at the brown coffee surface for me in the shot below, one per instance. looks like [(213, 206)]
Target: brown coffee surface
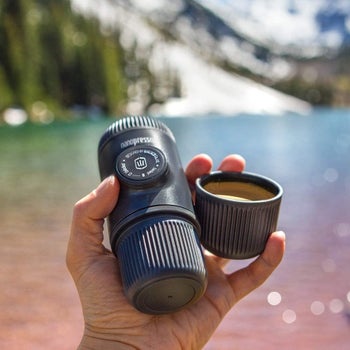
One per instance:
[(241, 191)]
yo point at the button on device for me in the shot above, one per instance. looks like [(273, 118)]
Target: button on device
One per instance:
[(139, 165)]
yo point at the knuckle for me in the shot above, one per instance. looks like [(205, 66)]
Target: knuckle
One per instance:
[(81, 207)]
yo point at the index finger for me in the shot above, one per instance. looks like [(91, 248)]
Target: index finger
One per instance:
[(198, 166), (232, 162), (202, 164)]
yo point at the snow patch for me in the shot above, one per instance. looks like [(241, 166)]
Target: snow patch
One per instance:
[(208, 89)]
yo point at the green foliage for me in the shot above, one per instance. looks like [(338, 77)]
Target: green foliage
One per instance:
[(52, 55), (319, 93)]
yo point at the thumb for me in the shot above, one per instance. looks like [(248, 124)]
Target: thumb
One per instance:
[(100, 202), (247, 279), (86, 234)]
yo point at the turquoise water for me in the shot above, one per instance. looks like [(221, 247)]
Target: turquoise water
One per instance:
[(45, 169)]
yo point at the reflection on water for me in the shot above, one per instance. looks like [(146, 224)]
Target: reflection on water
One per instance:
[(274, 298), (305, 303)]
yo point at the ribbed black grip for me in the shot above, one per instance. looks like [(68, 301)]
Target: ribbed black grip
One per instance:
[(133, 122), (152, 256), (225, 231)]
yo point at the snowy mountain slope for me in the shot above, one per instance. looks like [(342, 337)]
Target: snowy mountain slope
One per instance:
[(299, 27), (209, 89), (189, 40), (199, 28), (211, 36)]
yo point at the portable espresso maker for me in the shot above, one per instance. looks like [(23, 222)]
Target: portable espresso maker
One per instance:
[(155, 231)]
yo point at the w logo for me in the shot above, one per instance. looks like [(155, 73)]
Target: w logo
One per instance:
[(140, 163)]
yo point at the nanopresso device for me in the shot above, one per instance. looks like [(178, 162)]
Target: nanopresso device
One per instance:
[(153, 230)]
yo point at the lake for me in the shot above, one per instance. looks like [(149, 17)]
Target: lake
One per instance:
[(305, 304)]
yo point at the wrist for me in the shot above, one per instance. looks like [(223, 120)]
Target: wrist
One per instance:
[(92, 342)]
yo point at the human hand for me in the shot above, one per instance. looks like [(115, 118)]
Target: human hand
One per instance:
[(110, 321)]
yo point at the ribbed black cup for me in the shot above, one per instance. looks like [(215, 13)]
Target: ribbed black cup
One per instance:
[(237, 228)]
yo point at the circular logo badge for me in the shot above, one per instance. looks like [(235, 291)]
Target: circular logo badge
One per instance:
[(139, 165)]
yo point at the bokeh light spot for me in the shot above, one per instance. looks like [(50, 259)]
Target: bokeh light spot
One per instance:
[(274, 298), (336, 306), (317, 308), (289, 316), (330, 175)]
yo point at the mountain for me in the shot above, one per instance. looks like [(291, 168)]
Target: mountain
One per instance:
[(210, 35), (311, 37), (218, 55), (297, 27)]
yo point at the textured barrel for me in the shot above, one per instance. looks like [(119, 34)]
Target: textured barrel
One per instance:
[(162, 265), (237, 229)]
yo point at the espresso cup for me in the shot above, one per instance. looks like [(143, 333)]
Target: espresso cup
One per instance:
[(237, 212)]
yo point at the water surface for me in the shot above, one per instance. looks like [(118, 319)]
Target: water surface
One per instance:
[(305, 304)]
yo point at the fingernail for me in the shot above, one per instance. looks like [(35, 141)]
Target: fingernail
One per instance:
[(281, 234)]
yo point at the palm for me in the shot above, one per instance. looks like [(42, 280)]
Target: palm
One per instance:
[(110, 309)]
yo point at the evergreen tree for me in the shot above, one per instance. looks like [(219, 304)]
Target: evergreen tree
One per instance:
[(50, 54)]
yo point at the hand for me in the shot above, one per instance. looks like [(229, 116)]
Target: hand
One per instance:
[(110, 321)]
